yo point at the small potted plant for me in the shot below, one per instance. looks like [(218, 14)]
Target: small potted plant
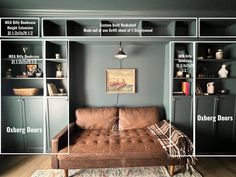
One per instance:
[(59, 70)]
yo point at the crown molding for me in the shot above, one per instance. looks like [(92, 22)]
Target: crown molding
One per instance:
[(112, 13)]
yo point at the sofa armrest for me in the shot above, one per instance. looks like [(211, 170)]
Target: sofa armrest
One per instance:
[(60, 141)]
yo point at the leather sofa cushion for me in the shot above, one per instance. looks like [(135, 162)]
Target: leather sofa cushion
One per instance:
[(131, 118), (96, 118), (107, 144)]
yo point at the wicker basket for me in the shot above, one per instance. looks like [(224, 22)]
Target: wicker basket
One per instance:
[(25, 91)]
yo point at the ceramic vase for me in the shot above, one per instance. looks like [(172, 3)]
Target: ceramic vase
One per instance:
[(223, 72), (210, 88)]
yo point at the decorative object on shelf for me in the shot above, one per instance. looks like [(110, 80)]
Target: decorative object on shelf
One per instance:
[(57, 55), (210, 88), (180, 54), (187, 75), (25, 51), (39, 72), (223, 72), (31, 69), (120, 81), (25, 91), (223, 92), (52, 90), (219, 54), (186, 88), (59, 72), (198, 89), (9, 73), (200, 57), (120, 54), (209, 54), (61, 90), (180, 73)]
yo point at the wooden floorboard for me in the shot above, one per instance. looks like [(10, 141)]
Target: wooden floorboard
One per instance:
[(25, 166)]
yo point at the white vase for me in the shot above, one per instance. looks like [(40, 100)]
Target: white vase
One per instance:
[(210, 88), (219, 54), (223, 72), (59, 74)]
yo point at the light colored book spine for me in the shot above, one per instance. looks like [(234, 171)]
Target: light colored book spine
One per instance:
[(49, 89)]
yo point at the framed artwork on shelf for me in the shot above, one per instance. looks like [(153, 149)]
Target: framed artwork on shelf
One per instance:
[(31, 69), (120, 81)]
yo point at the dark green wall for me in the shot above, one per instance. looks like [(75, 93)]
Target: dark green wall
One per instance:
[(89, 63)]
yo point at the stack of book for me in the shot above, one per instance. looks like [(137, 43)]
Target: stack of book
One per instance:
[(52, 90)]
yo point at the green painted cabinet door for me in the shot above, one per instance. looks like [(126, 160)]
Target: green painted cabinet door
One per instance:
[(34, 121), (225, 124), (58, 116), (182, 115), (205, 129), (12, 125)]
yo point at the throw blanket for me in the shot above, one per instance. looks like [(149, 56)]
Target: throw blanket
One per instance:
[(173, 141)]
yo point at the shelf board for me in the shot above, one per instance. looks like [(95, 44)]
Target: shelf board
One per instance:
[(56, 78), (215, 60), (182, 78), (214, 78), (33, 96), (23, 78), (58, 97), (181, 96), (9, 59), (57, 60)]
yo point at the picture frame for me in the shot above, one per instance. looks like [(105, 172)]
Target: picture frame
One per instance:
[(31, 69), (120, 80)]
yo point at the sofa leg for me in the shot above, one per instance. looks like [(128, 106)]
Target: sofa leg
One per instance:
[(171, 170), (66, 173)]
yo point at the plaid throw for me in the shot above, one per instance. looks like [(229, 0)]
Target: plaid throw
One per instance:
[(173, 141)]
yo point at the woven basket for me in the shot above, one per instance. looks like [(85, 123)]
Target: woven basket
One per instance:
[(25, 91)]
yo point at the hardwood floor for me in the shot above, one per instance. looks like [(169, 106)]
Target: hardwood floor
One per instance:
[(25, 166), (217, 167)]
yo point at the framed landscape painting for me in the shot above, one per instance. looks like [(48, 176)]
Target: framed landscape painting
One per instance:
[(120, 81)]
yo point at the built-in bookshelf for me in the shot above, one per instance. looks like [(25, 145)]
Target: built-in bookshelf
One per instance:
[(132, 27), (209, 65)]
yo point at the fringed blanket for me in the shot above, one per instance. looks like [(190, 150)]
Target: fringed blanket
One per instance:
[(173, 141)]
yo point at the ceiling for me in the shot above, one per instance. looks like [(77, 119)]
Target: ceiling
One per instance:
[(223, 6)]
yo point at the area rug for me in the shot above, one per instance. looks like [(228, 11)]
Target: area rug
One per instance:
[(117, 172)]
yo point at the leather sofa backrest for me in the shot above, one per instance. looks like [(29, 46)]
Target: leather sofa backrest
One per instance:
[(96, 118), (131, 118)]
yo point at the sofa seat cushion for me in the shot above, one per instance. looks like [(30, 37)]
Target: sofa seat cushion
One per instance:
[(108, 144)]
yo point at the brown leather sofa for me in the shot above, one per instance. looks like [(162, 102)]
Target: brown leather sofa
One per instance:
[(110, 137)]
